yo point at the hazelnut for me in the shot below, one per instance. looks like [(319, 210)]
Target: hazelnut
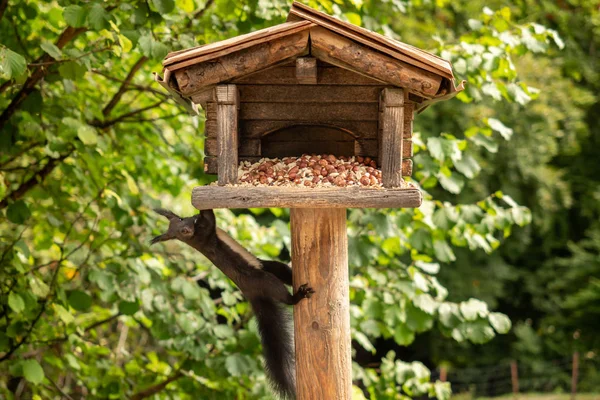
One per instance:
[(324, 172), (307, 183), (365, 180), (303, 164), (263, 179), (316, 179), (373, 164), (331, 158), (323, 162), (367, 160), (360, 159)]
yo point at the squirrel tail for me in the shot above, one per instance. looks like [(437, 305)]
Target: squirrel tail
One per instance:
[(276, 336)]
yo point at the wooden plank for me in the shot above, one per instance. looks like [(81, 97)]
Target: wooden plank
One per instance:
[(212, 196), (259, 128), (390, 156), (308, 94), (329, 75), (322, 323), (194, 78), (306, 70), (345, 53), (285, 149), (370, 147), (227, 133), (210, 112), (247, 147), (392, 47), (210, 164), (309, 112), (409, 113), (234, 43)]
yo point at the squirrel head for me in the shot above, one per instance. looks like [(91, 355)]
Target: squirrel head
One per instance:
[(179, 228)]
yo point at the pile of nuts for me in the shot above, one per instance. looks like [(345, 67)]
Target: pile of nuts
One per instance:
[(311, 171)]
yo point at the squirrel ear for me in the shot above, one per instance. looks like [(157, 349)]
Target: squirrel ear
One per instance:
[(166, 213)]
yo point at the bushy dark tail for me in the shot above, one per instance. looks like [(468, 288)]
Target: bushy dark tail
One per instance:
[(276, 335)]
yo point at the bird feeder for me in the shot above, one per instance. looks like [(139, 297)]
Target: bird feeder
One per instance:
[(314, 84)]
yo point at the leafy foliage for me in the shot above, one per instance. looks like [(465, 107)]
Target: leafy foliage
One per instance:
[(90, 146)]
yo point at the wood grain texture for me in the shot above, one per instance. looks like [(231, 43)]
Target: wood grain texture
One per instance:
[(202, 53), (358, 129), (326, 75), (207, 197), (306, 70), (227, 133), (309, 93), (322, 323), (397, 49), (310, 112), (194, 78), (210, 164), (246, 147), (390, 156), (345, 53)]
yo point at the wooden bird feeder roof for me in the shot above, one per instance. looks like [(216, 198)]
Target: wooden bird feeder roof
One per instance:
[(314, 82), (316, 29)]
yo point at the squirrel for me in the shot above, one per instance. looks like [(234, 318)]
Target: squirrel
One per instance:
[(261, 282)]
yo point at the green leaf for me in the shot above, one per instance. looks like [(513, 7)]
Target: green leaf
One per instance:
[(442, 251), (72, 70), (238, 364), (453, 183), (499, 127), (125, 43), (98, 17), (467, 166), (13, 64), (500, 322), (52, 50), (75, 16), (364, 341), (88, 135), (32, 371), (79, 300), (473, 309), (15, 301), (449, 315), (403, 335), (371, 328), (186, 5), (63, 314), (18, 212), (426, 303), (223, 331), (128, 307), (478, 332), (159, 50), (164, 6), (38, 287)]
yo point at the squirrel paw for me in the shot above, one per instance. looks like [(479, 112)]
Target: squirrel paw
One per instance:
[(304, 291)]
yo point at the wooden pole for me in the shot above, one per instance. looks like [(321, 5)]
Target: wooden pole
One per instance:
[(443, 374), (227, 133), (390, 143), (322, 323), (575, 375), (514, 375)]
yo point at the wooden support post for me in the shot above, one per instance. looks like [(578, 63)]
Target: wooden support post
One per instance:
[(514, 375), (227, 133), (443, 374), (392, 120), (322, 323), (306, 70), (575, 375)]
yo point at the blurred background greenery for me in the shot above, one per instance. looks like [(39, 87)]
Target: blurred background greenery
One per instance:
[(509, 230)]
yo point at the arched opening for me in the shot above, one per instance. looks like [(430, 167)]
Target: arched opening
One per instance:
[(299, 139)]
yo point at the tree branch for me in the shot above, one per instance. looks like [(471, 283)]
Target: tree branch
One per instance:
[(3, 5), (37, 74), (199, 13), (33, 181), (113, 102), (111, 122), (156, 388)]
